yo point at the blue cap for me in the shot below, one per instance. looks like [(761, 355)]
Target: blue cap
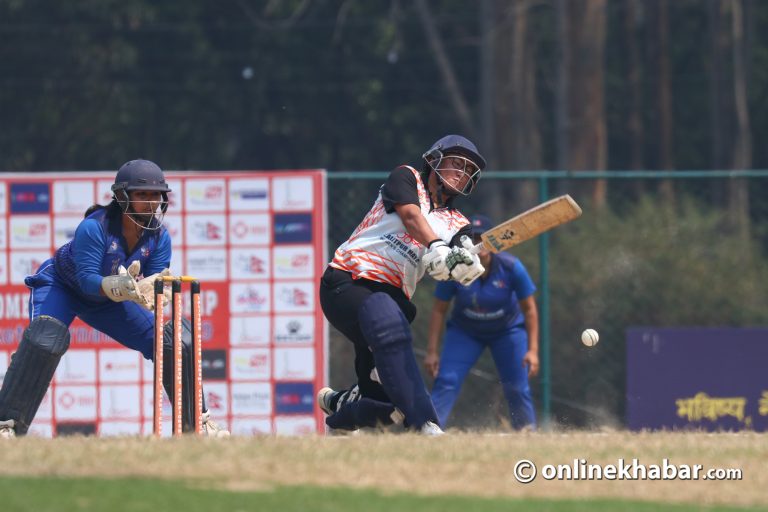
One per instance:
[(480, 224)]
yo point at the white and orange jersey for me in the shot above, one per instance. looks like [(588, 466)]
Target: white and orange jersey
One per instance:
[(380, 248)]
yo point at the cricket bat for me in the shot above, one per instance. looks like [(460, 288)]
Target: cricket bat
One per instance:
[(529, 224)]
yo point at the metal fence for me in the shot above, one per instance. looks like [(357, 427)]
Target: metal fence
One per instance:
[(677, 248)]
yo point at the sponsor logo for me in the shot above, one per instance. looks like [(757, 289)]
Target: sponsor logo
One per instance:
[(30, 198), (249, 299), (24, 264), (213, 192), (294, 330), (250, 363), (293, 261), (249, 264), (249, 195), (206, 230), (30, 232), (207, 264), (119, 401), (294, 397), (295, 297), (76, 402), (14, 306), (77, 367), (72, 196), (214, 401), (205, 195), (293, 194), (249, 330), (215, 364), (294, 363), (250, 398), (252, 229), (76, 429), (292, 228)]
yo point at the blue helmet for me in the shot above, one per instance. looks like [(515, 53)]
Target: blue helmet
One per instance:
[(456, 144), (139, 175)]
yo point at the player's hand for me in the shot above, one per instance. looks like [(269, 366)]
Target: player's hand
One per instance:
[(146, 288), (432, 363), (463, 265), (134, 269), (531, 360), (434, 260), (121, 287)]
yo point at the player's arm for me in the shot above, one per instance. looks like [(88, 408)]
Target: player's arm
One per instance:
[(400, 195), (415, 224), (524, 288), (436, 323), (88, 245), (531, 316)]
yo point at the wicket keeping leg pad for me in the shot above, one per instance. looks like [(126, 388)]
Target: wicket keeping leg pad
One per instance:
[(388, 334), (187, 372), (32, 367), (365, 412)]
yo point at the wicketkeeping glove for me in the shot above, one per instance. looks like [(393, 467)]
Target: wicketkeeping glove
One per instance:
[(146, 289), (123, 286)]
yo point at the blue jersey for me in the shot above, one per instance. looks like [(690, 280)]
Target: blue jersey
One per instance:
[(99, 248), (489, 305)]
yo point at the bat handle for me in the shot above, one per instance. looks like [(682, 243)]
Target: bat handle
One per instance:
[(476, 248)]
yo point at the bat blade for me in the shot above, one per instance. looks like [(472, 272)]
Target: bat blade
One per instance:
[(529, 224)]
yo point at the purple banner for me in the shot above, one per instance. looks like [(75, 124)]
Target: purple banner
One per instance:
[(697, 378)]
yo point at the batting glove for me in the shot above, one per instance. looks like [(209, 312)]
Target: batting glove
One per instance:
[(464, 266), (434, 260)]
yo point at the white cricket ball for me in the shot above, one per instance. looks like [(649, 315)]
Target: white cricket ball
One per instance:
[(590, 337)]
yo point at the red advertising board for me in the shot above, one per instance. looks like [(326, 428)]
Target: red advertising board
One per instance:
[(255, 240)]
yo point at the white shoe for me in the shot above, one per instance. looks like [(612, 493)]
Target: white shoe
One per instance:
[(324, 397), (431, 429), (211, 428), (7, 430)]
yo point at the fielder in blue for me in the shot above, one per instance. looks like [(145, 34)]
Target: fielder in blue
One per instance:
[(98, 277), (497, 311)]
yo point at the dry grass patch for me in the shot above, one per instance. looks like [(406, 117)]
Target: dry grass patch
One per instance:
[(474, 464)]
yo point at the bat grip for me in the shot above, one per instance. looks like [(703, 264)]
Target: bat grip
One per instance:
[(476, 248)]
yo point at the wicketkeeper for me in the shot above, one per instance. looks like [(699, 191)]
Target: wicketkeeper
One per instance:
[(97, 277)]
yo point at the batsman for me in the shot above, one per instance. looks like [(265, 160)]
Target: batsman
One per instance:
[(97, 277), (412, 229)]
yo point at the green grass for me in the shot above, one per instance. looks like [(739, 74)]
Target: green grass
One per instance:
[(22, 494)]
